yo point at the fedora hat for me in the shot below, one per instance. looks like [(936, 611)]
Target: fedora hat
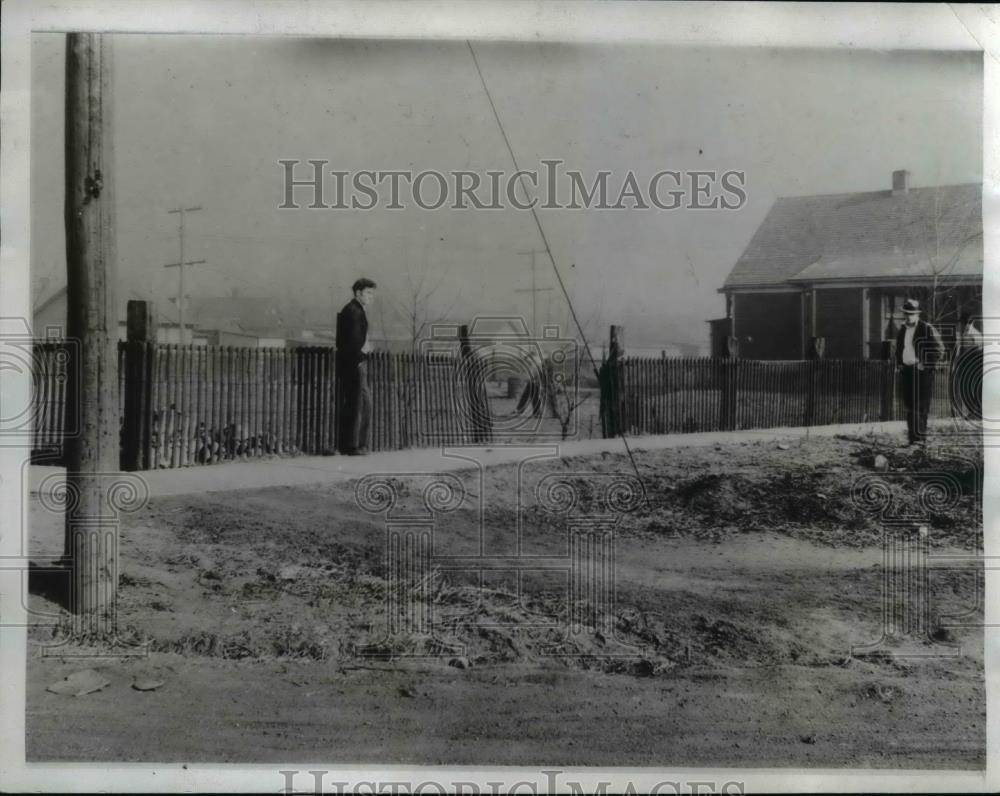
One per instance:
[(911, 307)]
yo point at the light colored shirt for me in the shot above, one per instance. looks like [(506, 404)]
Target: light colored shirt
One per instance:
[(909, 353)]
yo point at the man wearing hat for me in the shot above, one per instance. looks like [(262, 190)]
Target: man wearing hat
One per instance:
[(918, 349)]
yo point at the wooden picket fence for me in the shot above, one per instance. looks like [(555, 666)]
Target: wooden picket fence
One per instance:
[(190, 405), (206, 404), (661, 396), (48, 408)]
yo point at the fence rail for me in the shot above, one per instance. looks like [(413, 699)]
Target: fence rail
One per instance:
[(190, 405)]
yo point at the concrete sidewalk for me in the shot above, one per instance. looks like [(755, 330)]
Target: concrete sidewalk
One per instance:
[(315, 470)]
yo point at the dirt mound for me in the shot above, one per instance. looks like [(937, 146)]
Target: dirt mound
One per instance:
[(715, 505), (491, 626), (728, 498), (822, 504)]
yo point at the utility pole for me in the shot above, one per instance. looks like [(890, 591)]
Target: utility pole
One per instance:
[(91, 537), (534, 291), (181, 262), (187, 297)]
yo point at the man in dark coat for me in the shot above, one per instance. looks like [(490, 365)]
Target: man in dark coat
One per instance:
[(918, 350), (354, 398)]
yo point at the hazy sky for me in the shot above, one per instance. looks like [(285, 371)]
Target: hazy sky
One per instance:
[(204, 120)]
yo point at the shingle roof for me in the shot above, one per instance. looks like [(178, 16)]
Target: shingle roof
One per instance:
[(866, 236)]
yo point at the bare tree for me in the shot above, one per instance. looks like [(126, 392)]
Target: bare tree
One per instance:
[(943, 232), (419, 303)]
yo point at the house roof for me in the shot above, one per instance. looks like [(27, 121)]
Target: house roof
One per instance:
[(956, 263), (59, 294), (498, 326), (873, 235), (235, 313), (47, 302)]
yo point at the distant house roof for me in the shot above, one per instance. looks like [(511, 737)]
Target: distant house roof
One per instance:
[(497, 326), (239, 315), (59, 294), (874, 236), (51, 299), (235, 313)]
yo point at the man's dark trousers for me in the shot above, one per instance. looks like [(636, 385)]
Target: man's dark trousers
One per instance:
[(916, 386), (355, 403), (355, 406)]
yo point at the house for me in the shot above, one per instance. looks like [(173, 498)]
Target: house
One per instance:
[(235, 314), (261, 321), (223, 321), (839, 266), (719, 332), (48, 315), (228, 337), (49, 321)]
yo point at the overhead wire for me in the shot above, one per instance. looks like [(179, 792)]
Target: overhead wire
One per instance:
[(545, 243)]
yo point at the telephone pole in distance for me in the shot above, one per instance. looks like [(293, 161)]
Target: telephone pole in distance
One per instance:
[(180, 266)]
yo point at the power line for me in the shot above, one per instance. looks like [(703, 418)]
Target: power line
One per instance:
[(545, 242), (534, 214)]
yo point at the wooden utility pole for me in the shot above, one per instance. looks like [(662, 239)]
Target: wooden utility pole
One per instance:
[(181, 262), (534, 291), (91, 537)]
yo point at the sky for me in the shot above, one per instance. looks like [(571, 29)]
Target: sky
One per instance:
[(204, 120)]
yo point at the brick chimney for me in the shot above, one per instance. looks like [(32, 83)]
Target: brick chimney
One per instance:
[(900, 182)]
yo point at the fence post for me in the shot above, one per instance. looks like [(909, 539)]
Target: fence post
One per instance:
[(611, 385), (727, 403), (888, 397), (136, 420), (817, 347), (475, 386), (329, 402)]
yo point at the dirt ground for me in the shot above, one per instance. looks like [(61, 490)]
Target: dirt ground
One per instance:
[(742, 582)]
